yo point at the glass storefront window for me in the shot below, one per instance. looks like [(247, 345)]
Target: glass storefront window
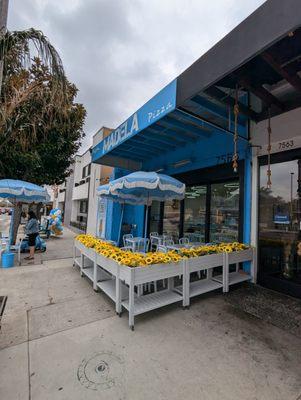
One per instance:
[(195, 213), (154, 220), (224, 212), (219, 222), (279, 223), (171, 219)]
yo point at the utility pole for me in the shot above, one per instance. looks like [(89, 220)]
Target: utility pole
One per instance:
[(3, 24)]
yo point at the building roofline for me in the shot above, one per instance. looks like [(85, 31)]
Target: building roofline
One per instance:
[(270, 22)]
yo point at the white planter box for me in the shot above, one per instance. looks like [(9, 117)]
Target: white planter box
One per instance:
[(155, 272), (240, 256), (205, 262), (107, 264), (123, 294), (89, 253), (202, 263), (140, 275), (238, 276)]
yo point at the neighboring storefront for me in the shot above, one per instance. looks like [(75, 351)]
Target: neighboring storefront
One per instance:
[(279, 206), (248, 81)]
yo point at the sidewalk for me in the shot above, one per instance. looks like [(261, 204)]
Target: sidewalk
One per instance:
[(58, 247), (61, 340)]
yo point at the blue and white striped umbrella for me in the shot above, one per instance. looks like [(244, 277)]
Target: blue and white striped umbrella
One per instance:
[(142, 188), (22, 191)]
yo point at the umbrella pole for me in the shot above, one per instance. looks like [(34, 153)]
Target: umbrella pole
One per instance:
[(97, 218), (11, 226), (145, 227), (120, 225)]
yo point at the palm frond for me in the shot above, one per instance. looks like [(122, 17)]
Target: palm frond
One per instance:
[(33, 42)]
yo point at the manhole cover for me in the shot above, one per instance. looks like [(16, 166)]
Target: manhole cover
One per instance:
[(101, 371)]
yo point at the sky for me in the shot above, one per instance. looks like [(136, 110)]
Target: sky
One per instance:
[(119, 53)]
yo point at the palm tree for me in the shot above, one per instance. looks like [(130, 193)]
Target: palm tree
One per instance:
[(25, 47), (32, 43)]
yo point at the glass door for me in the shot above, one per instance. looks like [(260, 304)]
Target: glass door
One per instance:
[(171, 219), (195, 213), (279, 227), (154, 217), (224, 212)]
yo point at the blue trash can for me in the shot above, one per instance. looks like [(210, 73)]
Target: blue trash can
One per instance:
[(7, 260)]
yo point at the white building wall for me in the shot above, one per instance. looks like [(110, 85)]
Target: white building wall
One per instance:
[(94, 183), (80, 192), (61, 196), (80, 188), (286, 133), (99, 176)]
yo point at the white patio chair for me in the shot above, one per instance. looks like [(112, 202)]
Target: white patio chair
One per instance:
[(184, 240), (168, 242), (162, 248), (142, 245), (125, 237), (154, 236), (167, 239)]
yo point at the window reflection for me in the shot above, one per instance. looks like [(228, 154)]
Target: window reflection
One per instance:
[(195, 213), (224, 212), (171, 219), (154, 221), (279, 222)]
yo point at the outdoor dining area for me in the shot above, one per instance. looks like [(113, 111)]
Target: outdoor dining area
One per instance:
[(17, 192), (146, 273), (157, 242)]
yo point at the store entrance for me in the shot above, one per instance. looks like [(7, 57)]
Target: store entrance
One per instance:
[(210, 212), (279, 227)]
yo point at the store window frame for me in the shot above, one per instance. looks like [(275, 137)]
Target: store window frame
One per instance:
[(83, 206), (287, 287), (86, 171), (207, 176)]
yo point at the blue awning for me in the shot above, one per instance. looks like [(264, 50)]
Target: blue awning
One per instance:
[(156, 128), (121, 146)]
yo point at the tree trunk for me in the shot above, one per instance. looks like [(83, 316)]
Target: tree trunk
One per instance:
[(16, 221), (38, 212)]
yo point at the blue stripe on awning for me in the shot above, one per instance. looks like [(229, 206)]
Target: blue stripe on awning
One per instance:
[(154, 110), (154, 133)]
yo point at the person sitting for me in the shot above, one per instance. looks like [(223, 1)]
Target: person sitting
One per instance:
[(32, 230)]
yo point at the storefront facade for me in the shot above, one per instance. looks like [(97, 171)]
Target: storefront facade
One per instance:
[(218, 110), (279, 207), (197, 152)]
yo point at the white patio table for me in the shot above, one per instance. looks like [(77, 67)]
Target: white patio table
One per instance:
[(133, 242), (183, 246)]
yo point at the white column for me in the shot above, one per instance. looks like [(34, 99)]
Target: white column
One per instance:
[(254, 213)]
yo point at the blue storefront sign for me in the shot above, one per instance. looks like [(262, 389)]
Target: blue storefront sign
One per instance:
[(282, 219), (156, 108)]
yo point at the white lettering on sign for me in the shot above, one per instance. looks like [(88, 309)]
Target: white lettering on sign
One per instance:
[(121, 133), (159, 111)]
